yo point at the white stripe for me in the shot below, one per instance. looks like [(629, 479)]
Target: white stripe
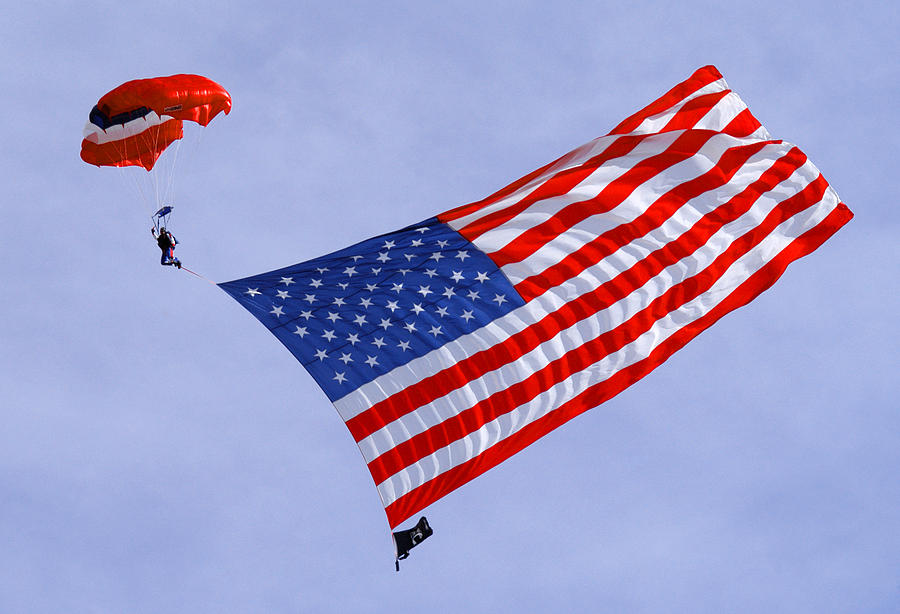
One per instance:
[(572, 159), (594, 325), (117, 132), (635, 204), (539, 211), (717, 118), (639, 201), (495, 431), (657, 122), (722, 113)]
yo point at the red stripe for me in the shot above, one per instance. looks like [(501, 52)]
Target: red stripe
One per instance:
[(475, 366), (743, 125), (612, 195), (684, 118), (580, 358), (656, 214), (700, 79), (693, 111), (431, 491), (559, 184), (464, 210)]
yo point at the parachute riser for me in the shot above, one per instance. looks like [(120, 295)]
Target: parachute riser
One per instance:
[(160, 219)]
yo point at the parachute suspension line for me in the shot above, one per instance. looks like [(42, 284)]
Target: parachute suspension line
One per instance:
[(139, 185), (129, 176), (154, 176), (190, 141), (169, 194)]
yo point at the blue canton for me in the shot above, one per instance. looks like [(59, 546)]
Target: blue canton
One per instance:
[(360, 312)]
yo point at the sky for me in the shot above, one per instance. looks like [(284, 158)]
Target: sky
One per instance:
[(160, 451)]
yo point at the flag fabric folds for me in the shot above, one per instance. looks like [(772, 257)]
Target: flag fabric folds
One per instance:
[(450, 345)]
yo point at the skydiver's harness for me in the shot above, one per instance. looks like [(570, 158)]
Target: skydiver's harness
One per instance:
[(166, 240), (163, 240)]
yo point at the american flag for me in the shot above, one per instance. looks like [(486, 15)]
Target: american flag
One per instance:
[(450, 345)]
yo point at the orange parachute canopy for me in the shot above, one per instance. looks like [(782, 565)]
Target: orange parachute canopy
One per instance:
[(134, 123)]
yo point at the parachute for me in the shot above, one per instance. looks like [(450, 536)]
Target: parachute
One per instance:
[(134, 123)]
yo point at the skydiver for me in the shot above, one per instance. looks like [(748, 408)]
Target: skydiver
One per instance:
[(167, 242)]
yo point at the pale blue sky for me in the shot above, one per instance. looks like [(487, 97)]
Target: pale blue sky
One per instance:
[(161, 452)]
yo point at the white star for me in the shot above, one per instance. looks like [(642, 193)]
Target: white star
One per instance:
[(332, 316), (379, 342), (282, 294), (315, 283), (467, 315), (388, 244), (345, 358), (410, 327), (435, 330), (339, 377), (252, 291), (310, 298), (343, 286), (321, 355), (329, 335), (372, 361), (436, 256), (371, 287), (482, 277), (278, 311), (405, 271), (449, 292), (322, 270), (338, 301), (360, 319), (383, 257), (306, 315), (301, 330), (409, 257), (353, 338), (430, 272), (443, 243), (385, 323), (350, 270), (287, 281), (499, 299), (403, 345), (392, 305), (366, 302), (417, 243), (473, 294), (397, 287), (423, 229), (376, 270), (355, 258), (424, 291), (417, 308), (457, 276), (462, 255), (442, 311)]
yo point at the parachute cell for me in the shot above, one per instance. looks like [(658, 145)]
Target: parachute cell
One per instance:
[(134, 123)]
